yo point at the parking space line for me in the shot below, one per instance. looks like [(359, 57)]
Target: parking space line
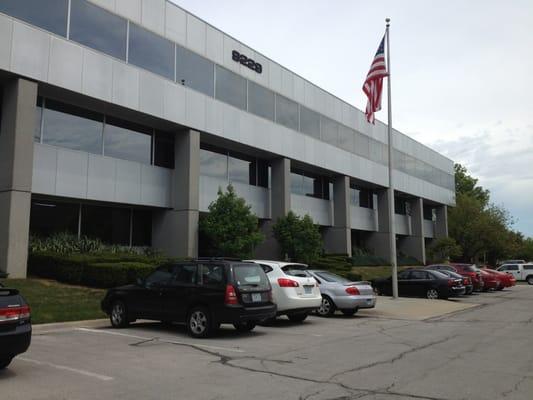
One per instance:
[(206, 346), (69, 369)]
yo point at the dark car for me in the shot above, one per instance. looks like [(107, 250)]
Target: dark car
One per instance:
[(467, 282), (470, 270), (15, 325), (201, 293), (421, 283)]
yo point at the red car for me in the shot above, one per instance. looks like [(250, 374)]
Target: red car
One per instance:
[(490, 281), (469, 270), (506, 280)]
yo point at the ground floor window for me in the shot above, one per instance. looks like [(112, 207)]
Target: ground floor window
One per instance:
[(114, 225)]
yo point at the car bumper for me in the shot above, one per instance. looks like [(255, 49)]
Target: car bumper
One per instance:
[(16, 341), (351, 302), (295, 304), (457, 291), (230, 315), (491, 285)]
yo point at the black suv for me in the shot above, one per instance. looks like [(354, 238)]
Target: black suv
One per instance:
[(201, 293), (15, 325)]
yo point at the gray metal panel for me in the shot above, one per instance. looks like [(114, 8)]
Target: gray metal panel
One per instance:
[(71, 174), (30, 50), (66, 64), (97, 75), (44, 169), (318, 209), (6, 36), (101, 178), (125, 85)]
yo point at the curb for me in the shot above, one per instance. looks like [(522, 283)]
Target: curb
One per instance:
[(70, 324)]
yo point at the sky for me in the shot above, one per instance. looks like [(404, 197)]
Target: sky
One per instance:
[(461, 72)]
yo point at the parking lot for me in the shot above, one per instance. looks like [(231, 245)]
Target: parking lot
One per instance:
[(483, 352)]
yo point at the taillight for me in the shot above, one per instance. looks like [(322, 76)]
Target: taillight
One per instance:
[(285, 282), (231, 296), (14, 313), (352, 290)]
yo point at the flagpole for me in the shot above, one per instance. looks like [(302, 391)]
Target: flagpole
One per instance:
[(390, 191)]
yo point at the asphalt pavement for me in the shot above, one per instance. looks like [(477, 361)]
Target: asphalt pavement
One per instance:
[(482, 352)]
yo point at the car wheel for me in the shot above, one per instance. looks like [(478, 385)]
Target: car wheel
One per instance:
[(327, 307), (4, 362), (297, 317), (119, 315), (350, 312), (199, 322), (529, 280), (432, 294), (244, 326)]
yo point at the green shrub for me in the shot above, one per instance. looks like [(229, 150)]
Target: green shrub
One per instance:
[(368, 260), (3, 275), (354, 277), (105, 275)]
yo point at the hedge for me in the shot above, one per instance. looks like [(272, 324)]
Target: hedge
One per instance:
[(3, 275), (100, 270)]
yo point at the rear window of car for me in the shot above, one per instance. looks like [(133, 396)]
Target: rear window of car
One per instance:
[(296, 270), (250, 276), (329, 277), (528, 267), (438, 275)]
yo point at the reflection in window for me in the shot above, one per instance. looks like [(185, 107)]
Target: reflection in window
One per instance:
[(213, 163), (330, 131), (50, 15), (260, 101), (307, 184), (150, 51), (50, 217), (38, 119), (230, 88), (97, 28), (127, 141), (71, 127), (241, 169), (346, 138), (309, 122), (287, 112), (194, 71), (111, 225), (354, 197)]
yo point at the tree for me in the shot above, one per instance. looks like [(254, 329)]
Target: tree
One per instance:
[(230, 227), (467, 185), (298, 237), (443, 249)]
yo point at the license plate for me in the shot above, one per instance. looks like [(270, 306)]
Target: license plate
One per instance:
[(256, 297), (308, 289)]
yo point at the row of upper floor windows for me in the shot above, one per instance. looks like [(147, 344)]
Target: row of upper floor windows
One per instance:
[(92, 26)]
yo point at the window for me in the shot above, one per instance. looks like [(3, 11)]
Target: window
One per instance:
[(528, 267), (286, 112), (403, 275), (513, 268), (213, 163), (429, 213), (184, 274), (97, 28), (141, 230), (241, 169), (309, 122), (111, 225), (194, 71), (400, 206), (38, 119), (161, 276), (266, 268), (296, 270), (50, 15), (164, 149), (354, 197), (230, 88), (297, 183), (260, 101), (329, 277), (71, 127), (263, 173), (330, 131), (250, 275), (211, 274), (346, 138), (49, 217), (362, 144), (150, 51), (366, 198), (419, 275), (127, 141)]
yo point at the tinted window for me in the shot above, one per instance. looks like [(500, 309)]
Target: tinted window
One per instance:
[(528, 267), (438, 275), (38, 119), (194, 71), (354, 197), (73, 128), (111, 225), (403, 275), (50, 15), (150, 51), (330, 131), (164, 150), (266, 268), (161, 276), (127, 141), (260, 101), (419, 275), (184, 274), (49, 217), (309, 122), (296, 270), (286, 112), (329, 277), (513, 268), (230, 88), (213, 164), (97, 28), (211, 274), (251, 275), (141, 234)]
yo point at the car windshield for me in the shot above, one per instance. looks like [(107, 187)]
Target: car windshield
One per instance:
[(250, 276), (329, 277), (296, 270), (439, 275)]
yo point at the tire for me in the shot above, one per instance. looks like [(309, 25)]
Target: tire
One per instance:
[(300, 317), (432, 294), (529, 280), (199, 322), (351, 312), (245, 326), (4, 362), (327, 307), (119, 315)]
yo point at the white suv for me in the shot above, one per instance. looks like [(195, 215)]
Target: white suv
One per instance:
[(294, 289), (522, 272)]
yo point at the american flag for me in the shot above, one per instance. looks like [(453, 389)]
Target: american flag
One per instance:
[(374, 83)]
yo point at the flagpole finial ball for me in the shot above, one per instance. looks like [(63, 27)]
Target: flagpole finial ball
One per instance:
[(387, 20)]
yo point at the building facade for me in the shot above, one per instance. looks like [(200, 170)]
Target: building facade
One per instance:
[(120, 119)]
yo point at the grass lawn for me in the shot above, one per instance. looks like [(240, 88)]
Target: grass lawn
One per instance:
[(369, 273), (51, 301)]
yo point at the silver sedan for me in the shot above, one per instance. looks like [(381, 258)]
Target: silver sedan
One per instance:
[(339, 293)]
